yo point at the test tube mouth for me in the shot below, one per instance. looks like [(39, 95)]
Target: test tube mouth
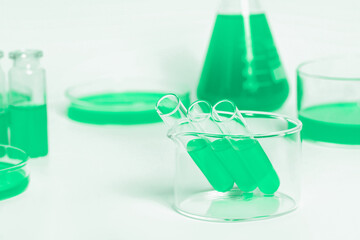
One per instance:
[(168, 105), (199, 111), (223, 111)]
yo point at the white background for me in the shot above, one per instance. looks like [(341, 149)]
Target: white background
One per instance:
[(115, 182)]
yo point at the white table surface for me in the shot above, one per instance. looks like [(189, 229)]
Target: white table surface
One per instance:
[(115, 182)]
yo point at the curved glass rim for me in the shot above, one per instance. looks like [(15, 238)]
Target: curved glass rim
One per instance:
[(20, 164), (197, 102), (295, 129), (320, 76), (71, 95), (24, 53), (174, 110)]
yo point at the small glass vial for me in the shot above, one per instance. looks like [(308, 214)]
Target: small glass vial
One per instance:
[(3, 107), (27, 103)]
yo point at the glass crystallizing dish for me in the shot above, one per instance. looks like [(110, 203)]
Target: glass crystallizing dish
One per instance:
[(329, 100), (127, 101), (14, 173), (278, 135)]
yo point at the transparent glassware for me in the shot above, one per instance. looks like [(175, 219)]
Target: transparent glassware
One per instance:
[(14, 173), (278, 136), (174, 114), (124, 101), (329, 99), (3, 107), (27, 103), (242, 62)]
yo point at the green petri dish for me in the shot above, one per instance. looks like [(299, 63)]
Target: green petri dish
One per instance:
[(110, 103), (14, 175)]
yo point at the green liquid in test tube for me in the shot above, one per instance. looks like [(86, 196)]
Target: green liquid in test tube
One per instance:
[(259, 165), (200, 115), (173, 113), (234, 164), (249, 150), (205, 158)]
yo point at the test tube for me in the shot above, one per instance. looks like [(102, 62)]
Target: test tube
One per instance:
[(250, 150), (200, 114), (173, 113)]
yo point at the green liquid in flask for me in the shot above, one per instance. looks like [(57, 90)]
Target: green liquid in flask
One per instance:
[(118, 108), (243, 65), (12, 182), (207, 161), (259, 165), (28, 129), (3, 127), (333, 123), (234, 165)]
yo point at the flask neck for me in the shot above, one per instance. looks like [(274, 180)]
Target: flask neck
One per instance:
[(243, 7)]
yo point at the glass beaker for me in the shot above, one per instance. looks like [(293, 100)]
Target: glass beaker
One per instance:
[(279, 136), (329, 100), (27, 103), (242, 63), (14, 173)]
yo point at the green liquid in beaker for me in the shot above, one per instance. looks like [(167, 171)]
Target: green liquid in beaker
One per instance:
[(258, 164), (207, 161), (3, 127), (12, 182), (234, 165), (243, 65), (333, 123), (28, 129), (118, 108)]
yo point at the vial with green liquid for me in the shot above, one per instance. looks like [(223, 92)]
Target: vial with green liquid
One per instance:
[(242, 63), (27, 103)]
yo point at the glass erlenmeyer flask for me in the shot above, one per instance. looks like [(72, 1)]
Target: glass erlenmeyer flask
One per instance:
[(242, 63)]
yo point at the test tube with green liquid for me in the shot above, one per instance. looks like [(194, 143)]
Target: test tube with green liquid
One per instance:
[(248, 149), (200, 114), (173, 113)]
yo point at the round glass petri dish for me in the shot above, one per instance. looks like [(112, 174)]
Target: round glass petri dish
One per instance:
[(14, 174), (329, 100), (130, 101)]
